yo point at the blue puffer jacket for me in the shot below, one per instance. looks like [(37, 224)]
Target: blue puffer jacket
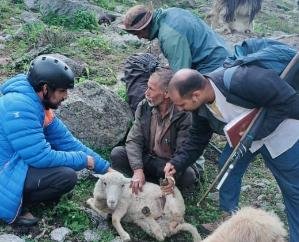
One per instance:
[(26, 141)]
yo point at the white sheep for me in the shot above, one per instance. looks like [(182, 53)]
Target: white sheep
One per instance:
[(158, 216), (250, 225)]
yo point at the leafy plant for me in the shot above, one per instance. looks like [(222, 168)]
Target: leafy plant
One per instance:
[(107, 4), (85, 20), (33, 32), (95, 43), (122, 93), (73, 218), (80, 20)]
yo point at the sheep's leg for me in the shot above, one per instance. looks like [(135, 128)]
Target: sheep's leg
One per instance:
[(92, 204), (116, 217), (150, 226)]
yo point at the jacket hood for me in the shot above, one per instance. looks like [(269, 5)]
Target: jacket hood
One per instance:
[(18, 84)]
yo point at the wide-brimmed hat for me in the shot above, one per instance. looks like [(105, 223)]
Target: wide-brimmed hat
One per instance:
[(137, 18)]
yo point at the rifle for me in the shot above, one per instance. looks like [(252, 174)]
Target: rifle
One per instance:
[(291, 75)]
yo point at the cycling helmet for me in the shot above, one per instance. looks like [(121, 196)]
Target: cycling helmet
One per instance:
[(49, 70)]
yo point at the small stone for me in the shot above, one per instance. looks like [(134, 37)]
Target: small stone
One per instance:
[(280, 206), (261, 197), (10, 238), (59, 234), (214, 196), (245, 188), (90, 235), (260, 184)]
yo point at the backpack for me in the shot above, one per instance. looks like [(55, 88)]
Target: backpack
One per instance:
[(137, 70), (266, 53)]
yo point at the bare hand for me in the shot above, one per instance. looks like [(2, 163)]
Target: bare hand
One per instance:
[(110, 169), (168, 189), (169, 169), (137, 181)]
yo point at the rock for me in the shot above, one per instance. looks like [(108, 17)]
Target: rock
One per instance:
[(78, 67), (98, 221), (29, 17), (10, 238), (245, 188), (96, 115), (5, 38), (214, 196), (90, 235), (67, 8), (261, 197), (31, 4), (4, 61), (124, 40), (84, 174), (280, 206), (260, 184), (59, 234), (2, 47), (18, 64)]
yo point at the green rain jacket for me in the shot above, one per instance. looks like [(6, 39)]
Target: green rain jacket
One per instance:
[(186, 41)]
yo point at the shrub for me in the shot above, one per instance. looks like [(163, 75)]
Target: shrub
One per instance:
[(80, 20)]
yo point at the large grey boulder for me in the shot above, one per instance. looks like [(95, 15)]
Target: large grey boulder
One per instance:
[(10, 238), (96, 115), (67, 8), (77, 66)]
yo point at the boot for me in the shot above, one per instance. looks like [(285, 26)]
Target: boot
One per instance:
[(211, 227)]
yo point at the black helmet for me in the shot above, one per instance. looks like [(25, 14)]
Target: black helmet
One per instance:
[(46, 69)]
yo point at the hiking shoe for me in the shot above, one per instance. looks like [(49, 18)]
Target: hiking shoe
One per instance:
[(211, 227), (26, 219)]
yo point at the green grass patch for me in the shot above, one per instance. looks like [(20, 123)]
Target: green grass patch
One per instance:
[(88, 44), (80, 20), (122, 93)]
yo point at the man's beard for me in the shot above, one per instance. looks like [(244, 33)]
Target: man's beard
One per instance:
[(151, 104), (48, 104)]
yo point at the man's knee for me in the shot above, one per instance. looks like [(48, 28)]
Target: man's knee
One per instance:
[(117, 155), (68, 179), (188, 179)]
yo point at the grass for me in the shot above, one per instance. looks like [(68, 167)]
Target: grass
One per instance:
[(80, 20)]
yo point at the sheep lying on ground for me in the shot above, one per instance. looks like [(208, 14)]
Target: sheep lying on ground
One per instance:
[(250, 225), (158, 216)]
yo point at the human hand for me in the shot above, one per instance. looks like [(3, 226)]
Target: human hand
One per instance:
[(169, 169), (110, 169), (90, 162), (137, 181), (167, 187)]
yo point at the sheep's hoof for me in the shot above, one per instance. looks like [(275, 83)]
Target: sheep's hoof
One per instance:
[(125, 237), (89, 202)]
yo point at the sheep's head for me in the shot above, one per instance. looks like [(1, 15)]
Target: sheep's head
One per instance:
[(112, 184)]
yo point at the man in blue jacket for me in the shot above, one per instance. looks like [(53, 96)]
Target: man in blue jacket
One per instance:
[(214, 103), (38, 154), (185, 40)]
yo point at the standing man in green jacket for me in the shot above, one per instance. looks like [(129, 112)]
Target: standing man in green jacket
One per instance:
[(185, 40)]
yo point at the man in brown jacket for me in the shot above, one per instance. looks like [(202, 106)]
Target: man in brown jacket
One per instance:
[(159, 128)]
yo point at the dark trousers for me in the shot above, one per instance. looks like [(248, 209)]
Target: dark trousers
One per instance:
[(47, 184), (153, 169)]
